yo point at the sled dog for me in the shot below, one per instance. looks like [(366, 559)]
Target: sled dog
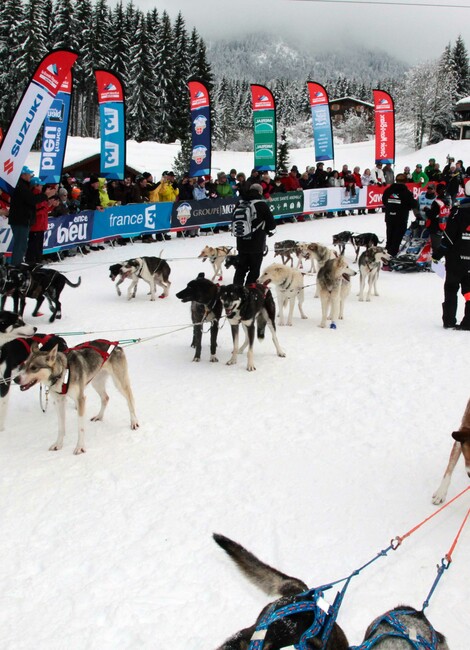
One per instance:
[(333, 284), (460, 446), (285, 249), (116, 271), (152, 270), (315, 253), (341, 239), (216, 256), (249, 305), (289, 285), (288, 630), (68, 374), (369, 269), (366, 239), (206, 307), (28, 281)]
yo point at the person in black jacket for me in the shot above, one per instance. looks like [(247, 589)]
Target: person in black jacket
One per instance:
[(251, 249), (23, 213), (398, 201), (437, 216), (455, 246)]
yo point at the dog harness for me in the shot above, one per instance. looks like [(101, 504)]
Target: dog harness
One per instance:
[(399, 631), (324, 617), (105, 354), (40, 339)]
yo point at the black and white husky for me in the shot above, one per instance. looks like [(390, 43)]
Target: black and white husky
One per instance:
[(206, 307), (153, 270), (249, 306), (394, 630)]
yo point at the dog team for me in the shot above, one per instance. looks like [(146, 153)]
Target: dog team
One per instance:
[(28, 358)]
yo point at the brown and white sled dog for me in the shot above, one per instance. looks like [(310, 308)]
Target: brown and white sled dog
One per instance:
[(286, 631), (289, 285), (315, 253), (334, 286), (250, 306), (216, 256), (152, 270), (369, 268), (460, 446), (67, 375)]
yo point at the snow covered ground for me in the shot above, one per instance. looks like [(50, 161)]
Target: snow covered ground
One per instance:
[(314, 462)]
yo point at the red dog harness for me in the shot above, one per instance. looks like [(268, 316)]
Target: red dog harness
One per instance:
[(104, 354)]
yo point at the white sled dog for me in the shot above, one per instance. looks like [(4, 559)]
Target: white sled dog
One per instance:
[(67, 375), (216, 256), (460, 446), (289, 285), (334, 286), (369, 268)]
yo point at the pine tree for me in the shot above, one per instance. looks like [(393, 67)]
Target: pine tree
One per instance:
[(180, 125), (182, 160), (32, 30), (441, 105), (119, 43), (283, 152), (83, 79), (11, 82), (63, 32), (461, 63), (165, 88), (225, 129)]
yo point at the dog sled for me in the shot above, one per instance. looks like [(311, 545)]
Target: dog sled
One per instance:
[(414, 254)]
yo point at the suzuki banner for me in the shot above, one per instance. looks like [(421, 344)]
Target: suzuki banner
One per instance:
[(264, 128), (321, 121), (112, 125), (30, 114), (54, 136), (200, 164), (384, 127)]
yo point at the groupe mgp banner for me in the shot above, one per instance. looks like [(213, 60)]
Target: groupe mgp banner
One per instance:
[(136, 219)]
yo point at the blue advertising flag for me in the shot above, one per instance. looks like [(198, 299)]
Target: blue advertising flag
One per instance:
[(112, 125), (200, 164), (54, 137), (321, 120)]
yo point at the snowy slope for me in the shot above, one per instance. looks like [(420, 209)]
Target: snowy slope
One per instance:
[(314, 462)]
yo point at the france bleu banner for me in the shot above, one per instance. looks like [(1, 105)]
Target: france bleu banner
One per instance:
[(31, 113), (321, 121), (112, 125), (200, 164), (54, 136), (264, 128), (384, 127)]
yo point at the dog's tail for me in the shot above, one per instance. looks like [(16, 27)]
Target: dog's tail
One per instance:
[(271, 581), (71, 284)]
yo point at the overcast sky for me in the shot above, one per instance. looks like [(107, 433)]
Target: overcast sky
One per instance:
[(411, 33)]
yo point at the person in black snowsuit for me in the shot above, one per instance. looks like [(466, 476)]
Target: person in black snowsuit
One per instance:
[(437, 216), (250, 251), (455, 246), (398, 201)]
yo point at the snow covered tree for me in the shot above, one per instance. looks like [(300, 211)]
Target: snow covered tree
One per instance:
[(62, 31), (32, 29), (180, 126), (182, 160), (354, 127), (119, 43), (462, 67), (225, 128), (283, 152), (11, 82), (445, 85)]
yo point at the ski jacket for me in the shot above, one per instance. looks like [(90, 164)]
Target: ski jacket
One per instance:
[(398, 201), (419, 177), (40, 222), (224, 190), (258, 239), (23, 204), (455, 243), (438, 214)]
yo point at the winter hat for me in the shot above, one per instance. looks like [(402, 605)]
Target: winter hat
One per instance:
[(35, 180), (75, 193), (221, 174), (93, 179), (257, 188), (27, 170)]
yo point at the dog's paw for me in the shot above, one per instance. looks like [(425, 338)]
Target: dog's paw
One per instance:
[(134, 425), (231, 362), (152, 298), (367, 299), (96, 418), (56, 447), (361, 299), (332, 326), (79, 450), (281, 353), (214, 359), (438, 497), (250, 368), (163, 295), (196, 359)]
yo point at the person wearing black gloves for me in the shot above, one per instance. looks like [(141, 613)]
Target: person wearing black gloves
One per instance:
[(455, 247), (398, 201), (251, 248)]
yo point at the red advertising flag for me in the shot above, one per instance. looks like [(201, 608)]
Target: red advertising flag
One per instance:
[(109, 87), (199, 95), (317, 94), (261, 98), (384, 127)]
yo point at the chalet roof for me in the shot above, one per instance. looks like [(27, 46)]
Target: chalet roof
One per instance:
[(352, 99), (463, 104)]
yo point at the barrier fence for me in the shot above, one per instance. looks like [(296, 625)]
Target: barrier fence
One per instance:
[(136, 219)]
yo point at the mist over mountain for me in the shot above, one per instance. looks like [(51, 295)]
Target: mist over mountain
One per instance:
[(262, 58)]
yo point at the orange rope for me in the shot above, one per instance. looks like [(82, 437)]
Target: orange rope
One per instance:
[(399, 539), (452, 548)]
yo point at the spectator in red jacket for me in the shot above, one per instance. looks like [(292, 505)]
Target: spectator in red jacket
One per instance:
[(38, 227), (290, 181)]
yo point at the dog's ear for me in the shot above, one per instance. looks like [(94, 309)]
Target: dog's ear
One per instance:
[(52, 354), (200, 276), (461, 436)]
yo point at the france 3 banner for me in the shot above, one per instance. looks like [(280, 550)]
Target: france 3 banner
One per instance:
[(321, 121), (384, 127), (31, 113), (54, 136), (112, 125), (264, 128), (200, 164)]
